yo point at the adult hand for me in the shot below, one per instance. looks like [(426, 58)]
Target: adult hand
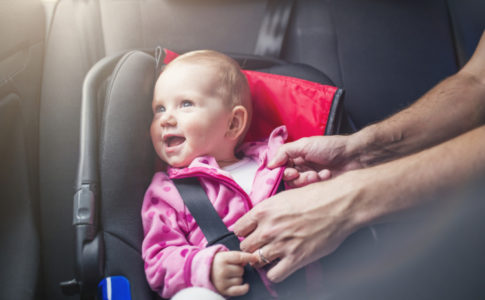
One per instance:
[(227, 272), (301, 225), (316, 158)]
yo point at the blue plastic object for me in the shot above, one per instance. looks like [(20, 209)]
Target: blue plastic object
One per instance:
[(114, 288)]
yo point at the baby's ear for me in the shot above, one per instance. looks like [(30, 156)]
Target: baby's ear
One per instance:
[(238, 122)]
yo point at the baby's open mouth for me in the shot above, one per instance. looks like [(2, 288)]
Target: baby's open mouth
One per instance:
[(173, 141)]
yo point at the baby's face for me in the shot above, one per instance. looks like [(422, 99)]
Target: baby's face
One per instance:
[(190, 118)]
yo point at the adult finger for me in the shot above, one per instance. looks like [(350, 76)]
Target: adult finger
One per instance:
[(290, 174), (280, 158), (253, 242), (246, 224), (266, 255), (298, 161), (262, 214), (241, 258), (281, 270), (287, 151), (304, 178), (325, 174)]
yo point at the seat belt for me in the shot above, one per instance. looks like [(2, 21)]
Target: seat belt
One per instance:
[(457, 36), (273, 28), (159, 57), (216, 231)]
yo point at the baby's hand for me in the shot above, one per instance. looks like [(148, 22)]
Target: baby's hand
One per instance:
[(227, 272)]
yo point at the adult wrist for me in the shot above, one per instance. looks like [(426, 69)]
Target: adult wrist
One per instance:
[(365, 206), (360, 146), (378, 143), (360, 213)]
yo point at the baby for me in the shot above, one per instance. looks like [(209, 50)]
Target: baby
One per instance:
[(201, 112)]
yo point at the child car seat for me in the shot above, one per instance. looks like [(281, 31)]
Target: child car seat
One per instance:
[(117, 163)]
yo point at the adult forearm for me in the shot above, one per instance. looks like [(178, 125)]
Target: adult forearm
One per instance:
[(397, 185), (454, 106)]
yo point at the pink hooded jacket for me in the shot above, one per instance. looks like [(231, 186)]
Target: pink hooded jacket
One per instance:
[(174, 246)]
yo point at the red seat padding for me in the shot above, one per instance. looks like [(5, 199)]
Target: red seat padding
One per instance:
[(303, 106)]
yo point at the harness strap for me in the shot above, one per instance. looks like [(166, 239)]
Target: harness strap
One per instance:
[(216, 231), (202, 210)]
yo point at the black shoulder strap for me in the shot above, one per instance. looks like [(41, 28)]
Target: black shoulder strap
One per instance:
[(205, 214), (216, 231), (273, 28)]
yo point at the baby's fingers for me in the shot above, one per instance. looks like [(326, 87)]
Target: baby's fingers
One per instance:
[(237, 290)]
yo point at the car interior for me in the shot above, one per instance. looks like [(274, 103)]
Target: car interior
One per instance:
[(56, 54)]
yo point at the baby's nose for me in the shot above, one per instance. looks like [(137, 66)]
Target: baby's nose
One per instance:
[(168, 119)]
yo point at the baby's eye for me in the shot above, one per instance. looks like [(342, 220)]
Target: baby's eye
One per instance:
[(159, 108), (187, 103)]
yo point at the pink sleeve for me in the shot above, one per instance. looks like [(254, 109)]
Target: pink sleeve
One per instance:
[(171, 262)]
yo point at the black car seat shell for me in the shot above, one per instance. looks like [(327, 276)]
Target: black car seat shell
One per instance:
[(117, 163)]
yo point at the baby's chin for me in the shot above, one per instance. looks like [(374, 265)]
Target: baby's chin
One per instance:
[(179, 163)]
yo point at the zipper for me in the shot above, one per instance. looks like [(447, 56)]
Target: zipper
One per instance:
[(231, 183)]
